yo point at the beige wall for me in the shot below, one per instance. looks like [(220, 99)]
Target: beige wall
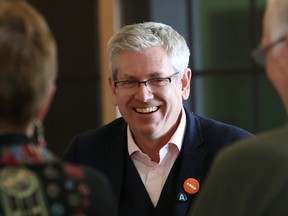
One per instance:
[(109, 22)]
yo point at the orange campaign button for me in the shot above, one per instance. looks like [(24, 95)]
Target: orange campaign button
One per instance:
[(191, 186)]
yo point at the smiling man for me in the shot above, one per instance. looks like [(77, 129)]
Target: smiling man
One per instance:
[(157, 147)]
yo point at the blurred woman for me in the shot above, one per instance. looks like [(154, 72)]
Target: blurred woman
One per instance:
[(32, 180)]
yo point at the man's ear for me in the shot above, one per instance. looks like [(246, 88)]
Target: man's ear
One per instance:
[(186, 83), (113, 91), (46, 105)]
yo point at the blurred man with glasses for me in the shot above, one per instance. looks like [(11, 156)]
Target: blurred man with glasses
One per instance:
[(250, 177), (157, 148)]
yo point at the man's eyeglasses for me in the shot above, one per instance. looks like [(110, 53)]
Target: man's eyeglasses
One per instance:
[(259, 54), (154, 85)]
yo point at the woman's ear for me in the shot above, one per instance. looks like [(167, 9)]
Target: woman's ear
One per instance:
[(46, 105)]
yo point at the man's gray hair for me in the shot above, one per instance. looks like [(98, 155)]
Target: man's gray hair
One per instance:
[(141, 36)]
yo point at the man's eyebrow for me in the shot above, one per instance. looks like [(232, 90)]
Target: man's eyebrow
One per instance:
[(132, 77), (156, 74), (128, 77)]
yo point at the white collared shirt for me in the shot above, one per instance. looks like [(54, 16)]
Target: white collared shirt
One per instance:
[(154, 174)]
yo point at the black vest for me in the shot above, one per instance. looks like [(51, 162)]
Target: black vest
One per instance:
[(135, 199)]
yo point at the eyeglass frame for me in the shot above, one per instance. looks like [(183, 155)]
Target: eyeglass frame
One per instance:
[(259, 54), (146, 82)]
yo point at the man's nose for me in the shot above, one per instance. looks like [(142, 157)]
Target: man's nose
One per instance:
[(144, 92)]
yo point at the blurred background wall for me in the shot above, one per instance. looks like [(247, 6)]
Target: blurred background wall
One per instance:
[(226, 84)]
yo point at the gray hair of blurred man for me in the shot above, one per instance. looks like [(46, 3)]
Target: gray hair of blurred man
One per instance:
[(27, 63), (141, 36)]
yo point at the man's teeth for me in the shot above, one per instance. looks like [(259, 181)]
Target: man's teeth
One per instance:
[(146, 110)]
